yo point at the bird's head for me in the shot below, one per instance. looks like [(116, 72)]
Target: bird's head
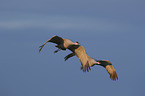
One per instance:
[(77, 43)]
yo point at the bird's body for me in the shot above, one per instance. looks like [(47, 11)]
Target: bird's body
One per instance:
[(79, 51)]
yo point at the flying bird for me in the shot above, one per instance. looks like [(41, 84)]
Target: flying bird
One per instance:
[(87, 61), (79, 51), (62, 44)]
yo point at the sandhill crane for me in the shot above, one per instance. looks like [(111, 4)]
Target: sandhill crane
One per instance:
[(87, 61), (62, 44), (79, 51)]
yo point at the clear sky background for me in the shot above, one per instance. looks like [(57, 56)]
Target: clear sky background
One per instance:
[(108, 29)]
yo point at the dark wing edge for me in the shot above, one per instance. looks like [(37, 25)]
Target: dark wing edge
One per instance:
[(54, 39)]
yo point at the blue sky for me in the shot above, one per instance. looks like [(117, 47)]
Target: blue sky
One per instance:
[(108, 29)]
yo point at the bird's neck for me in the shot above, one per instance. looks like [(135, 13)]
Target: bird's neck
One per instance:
[(103, 63)]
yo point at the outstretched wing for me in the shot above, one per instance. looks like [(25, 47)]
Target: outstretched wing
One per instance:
[(55, 39), (109, 67), (83, 57), (111, 70)]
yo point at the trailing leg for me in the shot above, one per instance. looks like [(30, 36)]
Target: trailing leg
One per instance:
[(57, 50)]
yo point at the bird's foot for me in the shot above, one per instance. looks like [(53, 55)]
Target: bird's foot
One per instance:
[(56, 51)]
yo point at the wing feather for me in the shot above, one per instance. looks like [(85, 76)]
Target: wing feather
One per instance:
[(85, 60), (111, 70), (83, 57), (55, 39)]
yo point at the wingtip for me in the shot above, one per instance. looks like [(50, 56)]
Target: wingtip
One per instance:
[(114, 76), (112, 72), (41, 47), (39, 50), (86, 68)]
